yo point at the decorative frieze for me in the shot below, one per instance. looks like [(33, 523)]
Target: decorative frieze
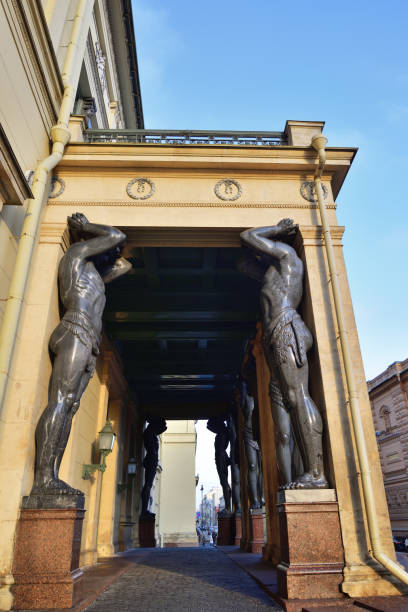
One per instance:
[(167, 204)]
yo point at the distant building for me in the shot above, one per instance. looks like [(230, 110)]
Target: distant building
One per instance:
[(213, 501), (389, 404)]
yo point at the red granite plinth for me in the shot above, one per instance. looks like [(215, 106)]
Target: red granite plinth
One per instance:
[(46, 558), (146, 531), (257, 530), (312, 561), (225, 536), (238, 529)]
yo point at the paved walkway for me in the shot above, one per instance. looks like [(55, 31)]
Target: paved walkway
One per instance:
[(183, 580)]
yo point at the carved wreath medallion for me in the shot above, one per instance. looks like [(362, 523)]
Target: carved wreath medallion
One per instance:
[(228, 190), (140, 188), (307, 190), (56, 191)]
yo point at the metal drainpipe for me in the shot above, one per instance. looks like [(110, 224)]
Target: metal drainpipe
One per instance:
[(60, 136), (319, 143)]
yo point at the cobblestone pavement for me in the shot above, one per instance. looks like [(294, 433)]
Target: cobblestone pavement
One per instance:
[(183, 580)]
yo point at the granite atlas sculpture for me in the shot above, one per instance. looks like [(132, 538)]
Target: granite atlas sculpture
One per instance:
[(251, 445), (234, 461), (151, 461), (222, 461), (269, 259), (93, 260)]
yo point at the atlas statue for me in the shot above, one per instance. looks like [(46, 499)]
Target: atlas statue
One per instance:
[(274, 263), (93, 260), (222, 461), (247, 393), (234, 461), (151, 460)]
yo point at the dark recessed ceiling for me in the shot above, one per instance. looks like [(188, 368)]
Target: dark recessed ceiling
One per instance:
[(180, 320)]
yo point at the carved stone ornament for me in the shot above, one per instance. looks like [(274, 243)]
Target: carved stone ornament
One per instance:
[(228, 190), (307, 191), (144, 188), (56, 191)]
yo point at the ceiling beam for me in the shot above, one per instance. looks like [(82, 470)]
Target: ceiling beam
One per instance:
[(133, 335), (170, 316)]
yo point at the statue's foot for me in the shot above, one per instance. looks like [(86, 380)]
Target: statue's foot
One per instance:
[(224, 512), (255, 506), (306, 481), (53, 486), (147, 515)]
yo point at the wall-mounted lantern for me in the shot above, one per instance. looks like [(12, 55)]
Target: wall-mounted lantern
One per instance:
[(106, 441), (131, 472), (132, 466)]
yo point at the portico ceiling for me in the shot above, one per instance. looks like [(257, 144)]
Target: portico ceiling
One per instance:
[(180, 321)]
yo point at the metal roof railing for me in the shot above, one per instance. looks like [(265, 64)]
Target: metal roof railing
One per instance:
[(187, 137)]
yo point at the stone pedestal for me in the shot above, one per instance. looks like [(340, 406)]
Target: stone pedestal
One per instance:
[(257, 530), (46, 558), (311, 564), (238, 529), (225, 535), (146, 531)]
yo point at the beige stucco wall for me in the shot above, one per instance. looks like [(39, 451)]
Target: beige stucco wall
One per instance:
[(177, 484)]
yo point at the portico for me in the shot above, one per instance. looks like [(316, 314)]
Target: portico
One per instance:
[(177, 325)]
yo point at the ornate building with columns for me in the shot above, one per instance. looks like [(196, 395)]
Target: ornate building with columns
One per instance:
[(389, 404), (176, 327)]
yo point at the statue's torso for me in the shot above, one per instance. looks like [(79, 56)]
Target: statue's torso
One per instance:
[(281, 289), (83, 291)]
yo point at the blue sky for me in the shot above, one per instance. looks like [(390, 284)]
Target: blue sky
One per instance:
[(253, 65)]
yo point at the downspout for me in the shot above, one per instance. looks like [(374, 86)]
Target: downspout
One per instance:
[(319, 143), (60, 136)]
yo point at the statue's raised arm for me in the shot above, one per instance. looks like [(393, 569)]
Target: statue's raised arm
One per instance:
[(265, 240)]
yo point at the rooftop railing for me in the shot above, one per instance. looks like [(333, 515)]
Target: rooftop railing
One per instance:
[(187, 137)]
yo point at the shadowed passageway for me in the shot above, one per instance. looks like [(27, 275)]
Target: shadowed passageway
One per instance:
[(184, 579)]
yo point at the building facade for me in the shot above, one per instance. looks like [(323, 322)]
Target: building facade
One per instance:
[(389, 404)]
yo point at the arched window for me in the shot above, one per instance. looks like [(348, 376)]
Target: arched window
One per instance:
[(385, 415)]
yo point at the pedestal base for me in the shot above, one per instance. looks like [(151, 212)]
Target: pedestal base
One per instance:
[(311, 564), (257, 530), (46, 558), (225, 535), (238, 529), (146, 531)]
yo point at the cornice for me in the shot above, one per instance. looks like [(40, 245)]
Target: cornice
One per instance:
[(313, 235), (223, 158), (55, 233)]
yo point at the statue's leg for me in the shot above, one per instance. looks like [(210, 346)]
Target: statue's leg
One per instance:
[(260, 482), (306, 422), (236, 487), (226, 489), (252, 462), (150, 472), (86, 377), (70, 362), (282, 424)]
